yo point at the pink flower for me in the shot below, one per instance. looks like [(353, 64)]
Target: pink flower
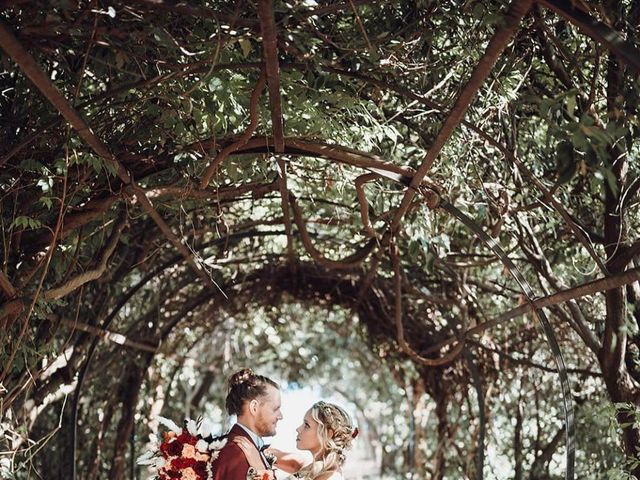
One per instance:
[(188, 451), (202, 457), (189, 474)]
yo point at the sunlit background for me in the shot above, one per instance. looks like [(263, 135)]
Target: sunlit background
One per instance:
[(295, 403)]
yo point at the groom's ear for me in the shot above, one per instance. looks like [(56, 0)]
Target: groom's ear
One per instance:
[(253, 406)]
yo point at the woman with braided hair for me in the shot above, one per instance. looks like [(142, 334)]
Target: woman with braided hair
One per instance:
[(326, 431)]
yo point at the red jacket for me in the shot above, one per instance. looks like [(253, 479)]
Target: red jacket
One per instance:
[(231, 463)]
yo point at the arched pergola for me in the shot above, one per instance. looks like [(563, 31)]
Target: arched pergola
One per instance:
[(128, 162)]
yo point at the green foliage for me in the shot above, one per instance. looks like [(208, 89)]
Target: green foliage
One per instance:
[(165, 89)]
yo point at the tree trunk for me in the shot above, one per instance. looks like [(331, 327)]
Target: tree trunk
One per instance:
[(619, 382), (93, 464), (129, 391), (517, 443), (419, 413), (443, 428)]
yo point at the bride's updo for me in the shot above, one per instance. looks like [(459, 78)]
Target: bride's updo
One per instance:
[(244, 386), (335, 434)]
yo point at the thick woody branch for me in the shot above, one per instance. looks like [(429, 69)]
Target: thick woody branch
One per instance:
[(348, 156), (286, 214), (92, 274), (362, 200), (402, 342), (348, 263), (300, 147), (256, 189), (272, 68), (7, 288), (495, 48), (9, 311), (244, 138), (589, 288)]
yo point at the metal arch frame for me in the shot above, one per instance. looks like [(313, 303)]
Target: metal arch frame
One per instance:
[(544, 322), (527, 291)]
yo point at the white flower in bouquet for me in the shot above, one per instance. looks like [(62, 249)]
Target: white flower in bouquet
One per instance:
[(206, 428), (183, 453), (192, 427), (147, 458), (202, 446), (171, 425), (217, 445)]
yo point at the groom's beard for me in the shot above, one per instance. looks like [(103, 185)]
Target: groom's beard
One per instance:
[(265, 429)]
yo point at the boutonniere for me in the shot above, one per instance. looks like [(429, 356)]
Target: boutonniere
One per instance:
[(270, 458)]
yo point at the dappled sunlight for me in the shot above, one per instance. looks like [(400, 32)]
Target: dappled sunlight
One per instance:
[(423, 211)]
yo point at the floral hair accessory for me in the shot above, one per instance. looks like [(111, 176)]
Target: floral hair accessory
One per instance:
[(184, 453), (355, 432)]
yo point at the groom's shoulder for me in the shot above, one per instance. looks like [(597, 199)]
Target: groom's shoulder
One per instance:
[(231, 463), (230, 447), (234, 432)]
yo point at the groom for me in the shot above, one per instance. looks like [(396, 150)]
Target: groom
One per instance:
[(255, 399)]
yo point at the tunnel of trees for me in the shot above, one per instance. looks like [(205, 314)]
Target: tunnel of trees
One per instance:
[(191, 187)]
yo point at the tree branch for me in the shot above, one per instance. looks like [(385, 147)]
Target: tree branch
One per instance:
[(496, 46), (93, 274), (589, 288), (364, 205), (404, 346), (347, 263), (244, 138), (272, 68)]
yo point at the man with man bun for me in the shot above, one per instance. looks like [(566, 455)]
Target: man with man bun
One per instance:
[(255, 399)]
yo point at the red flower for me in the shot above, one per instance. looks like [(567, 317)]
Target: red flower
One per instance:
[(169, 474), (171, 449), (201, 469), (186, 437), (182, 463)]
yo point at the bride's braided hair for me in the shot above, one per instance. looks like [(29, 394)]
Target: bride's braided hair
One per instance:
[(335, 434)]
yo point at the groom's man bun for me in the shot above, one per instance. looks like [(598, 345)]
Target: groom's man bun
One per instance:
[(244, 386)]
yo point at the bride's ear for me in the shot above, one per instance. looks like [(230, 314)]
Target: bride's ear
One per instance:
[(330, 432)]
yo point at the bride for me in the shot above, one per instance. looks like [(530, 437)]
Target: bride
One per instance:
[(326, 431)]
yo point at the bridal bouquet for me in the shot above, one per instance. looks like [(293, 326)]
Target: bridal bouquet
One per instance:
[(184, 453)]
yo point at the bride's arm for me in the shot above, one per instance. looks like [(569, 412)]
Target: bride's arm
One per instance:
[(289, 462), (252, 455)]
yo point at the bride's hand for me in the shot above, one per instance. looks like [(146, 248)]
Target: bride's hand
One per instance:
[(250, 451)]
